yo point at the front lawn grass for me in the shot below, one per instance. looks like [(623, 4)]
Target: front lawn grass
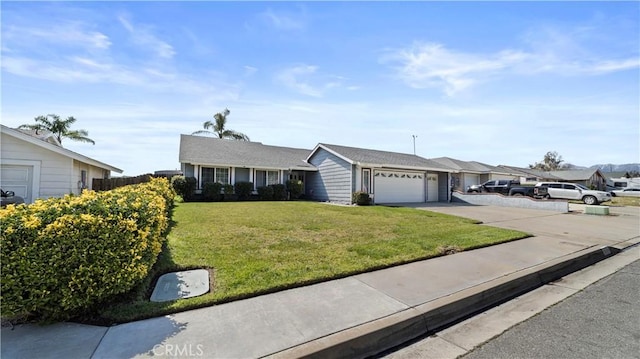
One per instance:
[(260, 247)]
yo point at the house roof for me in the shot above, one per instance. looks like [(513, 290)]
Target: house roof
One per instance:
[(375, 158), (531, 172), (560, 175), (44, 143), (201, 150), (470, 166), (576, 175)]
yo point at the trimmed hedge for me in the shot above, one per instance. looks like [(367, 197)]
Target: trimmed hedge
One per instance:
[(65, 256), (212, 191), (243, 190), (185, 187)]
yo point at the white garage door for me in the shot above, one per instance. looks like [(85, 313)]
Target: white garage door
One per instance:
[(398, 187), (18, 179), (470, 180)]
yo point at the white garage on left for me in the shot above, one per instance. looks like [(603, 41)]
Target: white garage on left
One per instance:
[(37, 166)]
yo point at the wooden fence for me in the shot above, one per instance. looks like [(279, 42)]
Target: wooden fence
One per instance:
[(99, 184)]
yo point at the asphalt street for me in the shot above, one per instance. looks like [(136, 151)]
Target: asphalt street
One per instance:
[(602, 321)]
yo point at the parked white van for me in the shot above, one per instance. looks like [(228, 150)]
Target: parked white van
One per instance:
[(574, 191)]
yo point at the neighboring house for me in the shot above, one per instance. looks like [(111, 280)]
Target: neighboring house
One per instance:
[(36, 166), (469, 173), (592, 177), (528, 176), (211, 159), (389, 177), (328, 172)]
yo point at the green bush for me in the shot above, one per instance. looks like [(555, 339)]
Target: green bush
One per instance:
[(265, 193), (63, 257), (295, 189), (212, 191), (279, 192), (243, 190), (361, 198), (185, 187)]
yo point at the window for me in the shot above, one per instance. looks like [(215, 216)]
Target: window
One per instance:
[(220, 175), (207, 175), (555, 185), (366, 180), (265, 178), (503, 183), (569, 186)]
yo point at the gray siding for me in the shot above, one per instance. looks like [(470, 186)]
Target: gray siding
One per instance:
[(333, 180)]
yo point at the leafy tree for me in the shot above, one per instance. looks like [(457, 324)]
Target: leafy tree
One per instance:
[(60, 128), (552, 161), (218, 128)]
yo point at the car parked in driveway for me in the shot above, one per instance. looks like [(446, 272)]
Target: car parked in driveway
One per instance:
[(575, 191), (626, 192), (493, 186), (9, 197)]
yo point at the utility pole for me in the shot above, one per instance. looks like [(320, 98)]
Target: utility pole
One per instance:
[(414, 144)]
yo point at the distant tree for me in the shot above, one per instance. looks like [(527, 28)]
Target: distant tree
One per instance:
[(59, 128), (632, 174), (219, 129), (552, 161)]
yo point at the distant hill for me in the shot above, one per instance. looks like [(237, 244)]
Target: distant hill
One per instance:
[(629, 167)]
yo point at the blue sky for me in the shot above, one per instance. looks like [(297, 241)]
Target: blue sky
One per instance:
[(496, 82)]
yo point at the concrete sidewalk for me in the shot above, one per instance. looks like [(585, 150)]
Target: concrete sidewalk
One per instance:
[(360, 315)]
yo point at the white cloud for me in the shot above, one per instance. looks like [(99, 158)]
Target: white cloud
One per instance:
[(69, 34), (249, 70), (284, 21), (291, 78), (143, 36), (306, 80), (432, 65)]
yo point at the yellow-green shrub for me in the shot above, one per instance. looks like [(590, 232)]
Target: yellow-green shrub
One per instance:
[(64, 256)]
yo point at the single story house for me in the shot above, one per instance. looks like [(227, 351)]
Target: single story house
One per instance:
[(530, 176), (469, 173), (211, 159), (37, 166), (389, 177), (590, 177), (328, 172)]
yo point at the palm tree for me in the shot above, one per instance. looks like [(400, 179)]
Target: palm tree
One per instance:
[(60, 128), (218, 128)]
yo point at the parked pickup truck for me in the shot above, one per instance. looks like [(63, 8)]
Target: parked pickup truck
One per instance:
[(505, 187), (575, 191)]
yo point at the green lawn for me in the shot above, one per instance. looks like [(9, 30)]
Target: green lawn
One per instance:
[(259, 247)]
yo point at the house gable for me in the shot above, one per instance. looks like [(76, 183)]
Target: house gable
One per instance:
[(334, 179), (33, 168)]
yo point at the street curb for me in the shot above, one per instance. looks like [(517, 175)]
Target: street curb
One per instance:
[(385, 333)]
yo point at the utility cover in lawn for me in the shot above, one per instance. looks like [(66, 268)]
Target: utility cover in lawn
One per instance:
[(176, 285)]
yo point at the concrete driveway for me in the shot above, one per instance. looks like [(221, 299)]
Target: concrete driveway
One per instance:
[(573, 227)]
